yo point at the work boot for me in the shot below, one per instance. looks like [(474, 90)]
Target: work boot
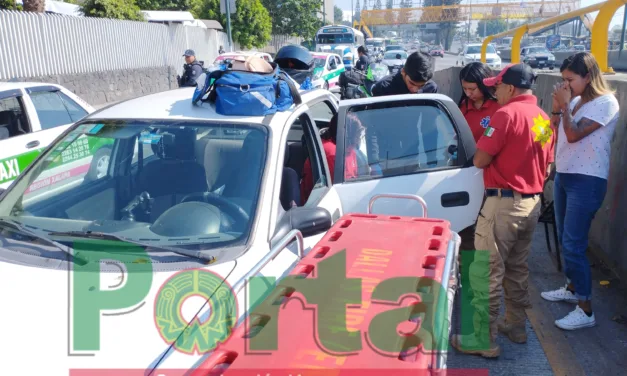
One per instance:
[(468, 344), (514, 331)]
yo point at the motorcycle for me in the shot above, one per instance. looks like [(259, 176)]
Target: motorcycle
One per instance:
[(368, 79)]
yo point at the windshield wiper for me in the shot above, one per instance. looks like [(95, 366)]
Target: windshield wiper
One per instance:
[(198, 255), (23, 230)]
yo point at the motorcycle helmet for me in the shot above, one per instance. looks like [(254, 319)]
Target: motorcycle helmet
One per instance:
[(297, 62), (294, 57)]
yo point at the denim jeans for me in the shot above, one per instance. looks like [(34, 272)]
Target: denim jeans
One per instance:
[(577, 199)]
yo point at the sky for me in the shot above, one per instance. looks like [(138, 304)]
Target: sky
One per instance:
[(345, 5)]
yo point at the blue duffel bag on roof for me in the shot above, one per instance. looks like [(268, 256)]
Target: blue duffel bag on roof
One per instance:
[(249, 93)]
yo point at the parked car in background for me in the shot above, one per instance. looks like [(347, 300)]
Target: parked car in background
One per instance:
[(436, 51), (32, 115), (394, 60), (327, 70), (472, 52), (538, 57)]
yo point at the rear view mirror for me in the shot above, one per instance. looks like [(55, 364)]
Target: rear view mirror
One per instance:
[(309, 221)]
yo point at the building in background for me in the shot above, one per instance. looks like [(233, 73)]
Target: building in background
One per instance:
[(328, 8)]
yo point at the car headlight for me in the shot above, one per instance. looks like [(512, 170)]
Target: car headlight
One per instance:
[(552, 58), (531, 58)]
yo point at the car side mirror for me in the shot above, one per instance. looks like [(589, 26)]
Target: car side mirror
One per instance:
[(309, 221), (498, 53)]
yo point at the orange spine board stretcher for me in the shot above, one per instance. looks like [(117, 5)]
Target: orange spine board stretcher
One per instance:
[(377, 248)]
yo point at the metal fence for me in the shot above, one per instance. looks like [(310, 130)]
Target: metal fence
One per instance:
[(279, 41), (39, 44)]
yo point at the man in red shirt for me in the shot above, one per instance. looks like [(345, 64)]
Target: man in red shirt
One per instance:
[(514, 153)]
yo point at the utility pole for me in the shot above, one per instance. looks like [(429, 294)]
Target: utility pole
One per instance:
[(227, 4), (622, 34), (353, 13)]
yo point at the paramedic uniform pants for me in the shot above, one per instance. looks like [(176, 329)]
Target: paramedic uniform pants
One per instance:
[(503, 234)]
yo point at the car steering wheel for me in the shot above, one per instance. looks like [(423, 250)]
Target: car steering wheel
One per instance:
[(229, 207)]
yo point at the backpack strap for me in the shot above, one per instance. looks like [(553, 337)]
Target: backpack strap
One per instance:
[(293, 89)]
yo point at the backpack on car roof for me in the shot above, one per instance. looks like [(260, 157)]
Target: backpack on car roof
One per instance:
[(250, 87)]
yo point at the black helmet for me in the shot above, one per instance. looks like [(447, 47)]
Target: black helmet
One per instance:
[(299, 56)]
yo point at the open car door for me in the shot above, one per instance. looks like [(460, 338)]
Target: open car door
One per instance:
[(409, 145)]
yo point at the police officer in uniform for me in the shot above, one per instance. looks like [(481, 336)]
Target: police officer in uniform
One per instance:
[(192, 69), (514, 153)]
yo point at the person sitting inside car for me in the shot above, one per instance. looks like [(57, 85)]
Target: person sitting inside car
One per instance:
[(329, 139)]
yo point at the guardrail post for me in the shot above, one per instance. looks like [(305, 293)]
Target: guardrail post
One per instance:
[(598, 44), (484, 48), (518, 34)]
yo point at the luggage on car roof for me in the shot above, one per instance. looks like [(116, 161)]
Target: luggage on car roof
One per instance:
[(253, 87)]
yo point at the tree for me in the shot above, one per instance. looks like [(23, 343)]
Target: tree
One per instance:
[(10, 4), (294, 17), (491, 27), (34, 5), (118, 9), (377, 5), (338, 14), (250, 25), (164, 4)]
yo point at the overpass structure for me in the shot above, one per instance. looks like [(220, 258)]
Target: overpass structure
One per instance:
[(484, 10)]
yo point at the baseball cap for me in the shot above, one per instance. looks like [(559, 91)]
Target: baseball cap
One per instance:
[(189, 53), (518, 75)]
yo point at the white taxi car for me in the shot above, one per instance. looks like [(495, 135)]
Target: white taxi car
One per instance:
[(32, 115), (327, 70), (112, 261)]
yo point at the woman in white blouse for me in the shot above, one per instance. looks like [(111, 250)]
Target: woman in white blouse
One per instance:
[(585, 112)]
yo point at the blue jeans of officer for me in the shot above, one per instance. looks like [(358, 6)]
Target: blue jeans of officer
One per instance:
[(577, 198)]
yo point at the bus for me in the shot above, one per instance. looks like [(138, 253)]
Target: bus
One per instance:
[(342, 40), (378, 43)]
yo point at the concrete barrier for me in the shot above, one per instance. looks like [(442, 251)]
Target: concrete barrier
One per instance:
[(608, 239)]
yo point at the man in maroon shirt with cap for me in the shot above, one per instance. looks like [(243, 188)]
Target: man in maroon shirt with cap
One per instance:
[(514, 153)]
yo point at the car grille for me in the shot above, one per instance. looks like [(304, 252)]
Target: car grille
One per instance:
[(393, 68), (542, 58), (490, 61)]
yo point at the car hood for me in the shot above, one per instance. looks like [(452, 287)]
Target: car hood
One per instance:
[(44, 311), (540, 54), (478, 56), (393, 62)]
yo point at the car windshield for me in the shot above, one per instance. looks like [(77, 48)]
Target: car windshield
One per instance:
[(393, 54), (378, 43), (390, 48), (320, 62), (538, 50), (335, 38), (477, 50), (172, 184)]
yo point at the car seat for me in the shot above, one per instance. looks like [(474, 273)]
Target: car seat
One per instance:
[(244, 179), (175, 174), (9, 121), (290, 188)]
